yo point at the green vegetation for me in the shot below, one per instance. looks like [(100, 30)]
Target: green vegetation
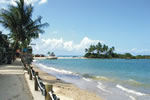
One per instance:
[(103, 51), (17, 19), (5, 50)]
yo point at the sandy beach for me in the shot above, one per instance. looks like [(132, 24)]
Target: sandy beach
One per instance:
[(13, 83), (60, 58), (66, 91)]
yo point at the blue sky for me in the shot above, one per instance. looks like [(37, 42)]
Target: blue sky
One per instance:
[(75, 24)]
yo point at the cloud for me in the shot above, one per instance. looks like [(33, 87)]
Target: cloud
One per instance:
[(31, 1), (134, 51), (42, 1), (45, 45), (85, 43), (26, 1), (60, 46), (4, 1)]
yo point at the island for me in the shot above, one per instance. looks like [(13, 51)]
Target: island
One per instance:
[(103, 51)]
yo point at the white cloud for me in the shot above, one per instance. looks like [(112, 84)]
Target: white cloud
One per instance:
[(45, 45), (30, 1), (42, 1), (85, 43), (4, 1), (60, 46), (52, 43), (68, 45), (134, 51), (26, 1)]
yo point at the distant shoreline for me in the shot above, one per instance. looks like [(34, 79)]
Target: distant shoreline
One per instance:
[(62, 57), (42, 58)]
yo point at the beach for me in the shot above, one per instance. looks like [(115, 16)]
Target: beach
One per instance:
[(64, 90), (15, 85), (68, 85), (110, 79)]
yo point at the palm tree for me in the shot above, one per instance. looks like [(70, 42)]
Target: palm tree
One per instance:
[(105, 48), (99, 47), (92, 49), (86, 50), (18, 20), (111, 50), (49, 53)]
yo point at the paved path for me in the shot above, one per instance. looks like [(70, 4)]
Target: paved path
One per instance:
[(12, 83)]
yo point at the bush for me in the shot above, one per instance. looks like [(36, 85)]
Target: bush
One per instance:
[(37, 55)]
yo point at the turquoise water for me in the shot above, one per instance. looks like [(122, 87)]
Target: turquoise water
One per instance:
[(112, 79)]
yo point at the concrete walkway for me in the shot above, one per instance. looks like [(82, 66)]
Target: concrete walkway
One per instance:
[(12, 82)]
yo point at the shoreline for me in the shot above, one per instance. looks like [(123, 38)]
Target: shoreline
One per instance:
[(64, 89), (41, 58)]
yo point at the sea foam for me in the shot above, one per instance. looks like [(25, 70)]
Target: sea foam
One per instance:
[(34, 60), (130, 91), (56, 70), (102, 87), (87, 79), (132, 98)]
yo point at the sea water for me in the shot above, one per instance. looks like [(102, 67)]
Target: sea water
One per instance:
[(112, 79)]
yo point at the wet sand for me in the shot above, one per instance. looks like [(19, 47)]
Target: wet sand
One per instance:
[(66, 91)]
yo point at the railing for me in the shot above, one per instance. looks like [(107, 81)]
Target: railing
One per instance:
[(46, 90)]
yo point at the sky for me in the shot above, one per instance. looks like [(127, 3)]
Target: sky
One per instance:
[(76, 24)]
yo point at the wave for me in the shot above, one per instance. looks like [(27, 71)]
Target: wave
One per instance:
[(130, 91), (103, 78), (134, 82), (56, 70), (87, 79), (131, 97), (102, 87), (34, 60)]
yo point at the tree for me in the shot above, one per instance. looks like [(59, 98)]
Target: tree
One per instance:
[(99, 47), (105, 48), (92, 49), (49, 53), (86, 50), (111, 50), (128, 55), (18, 20)]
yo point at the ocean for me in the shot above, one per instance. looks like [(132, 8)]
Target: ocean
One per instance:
[(111, 79)]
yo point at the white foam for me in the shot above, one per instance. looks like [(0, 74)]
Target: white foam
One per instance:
[(34, 60), (100, 86), (56, 70), (87, 79), (131, 97), (102, 78), (130, 91)]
